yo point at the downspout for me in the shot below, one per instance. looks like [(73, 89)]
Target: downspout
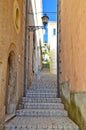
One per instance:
[(25, 45), (58, 78)]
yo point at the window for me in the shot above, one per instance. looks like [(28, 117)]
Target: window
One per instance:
[(17, 19), (54, 31), (16, 16)]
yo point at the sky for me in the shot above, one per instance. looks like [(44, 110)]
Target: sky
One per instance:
[(49, 7)]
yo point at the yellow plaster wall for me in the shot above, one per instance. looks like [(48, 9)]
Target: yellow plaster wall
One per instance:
[(10, 39), (73, 46)]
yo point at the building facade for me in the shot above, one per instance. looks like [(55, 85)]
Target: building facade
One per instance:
[(11, 52), (19, 52), (52, 40), (72, 24), (38, 34)]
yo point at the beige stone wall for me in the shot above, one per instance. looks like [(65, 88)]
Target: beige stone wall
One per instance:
[(73, 63), (73, 47), (29, 64), (11, 39)]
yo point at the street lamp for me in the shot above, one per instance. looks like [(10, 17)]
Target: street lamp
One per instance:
[(45, 19)]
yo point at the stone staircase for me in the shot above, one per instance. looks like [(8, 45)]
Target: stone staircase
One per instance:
[(42, 110)]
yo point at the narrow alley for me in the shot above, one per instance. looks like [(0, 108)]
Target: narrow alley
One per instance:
[(42, 64), (41, 109)]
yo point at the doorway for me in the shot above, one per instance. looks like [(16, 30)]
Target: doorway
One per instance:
[(10, 106)]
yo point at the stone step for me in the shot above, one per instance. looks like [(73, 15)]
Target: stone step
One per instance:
[(42, 109), (41, 100), (42, 113), (41, 123), (42, 87), (41, 95), (42, 91), (43, 106)]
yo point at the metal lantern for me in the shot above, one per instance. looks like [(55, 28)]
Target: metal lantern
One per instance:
[(45, 19)]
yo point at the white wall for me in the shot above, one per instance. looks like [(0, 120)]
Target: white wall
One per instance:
[(52, 40), (37, 11)]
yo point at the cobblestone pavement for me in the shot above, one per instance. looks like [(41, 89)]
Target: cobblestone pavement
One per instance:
[(41, 109)]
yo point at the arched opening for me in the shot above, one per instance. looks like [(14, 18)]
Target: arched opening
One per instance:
[(10, 105)]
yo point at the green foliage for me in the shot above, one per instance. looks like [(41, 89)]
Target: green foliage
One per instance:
[(46, 54)]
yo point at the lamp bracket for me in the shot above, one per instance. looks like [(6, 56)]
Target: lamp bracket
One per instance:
[(34, 28)]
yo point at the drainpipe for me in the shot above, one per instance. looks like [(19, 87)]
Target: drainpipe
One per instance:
[(25, 45), (58, 83)]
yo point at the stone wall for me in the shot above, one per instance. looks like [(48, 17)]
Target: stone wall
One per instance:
[(73, 53), (30, 43), (75, 103), (73, 47), (11, 40)]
